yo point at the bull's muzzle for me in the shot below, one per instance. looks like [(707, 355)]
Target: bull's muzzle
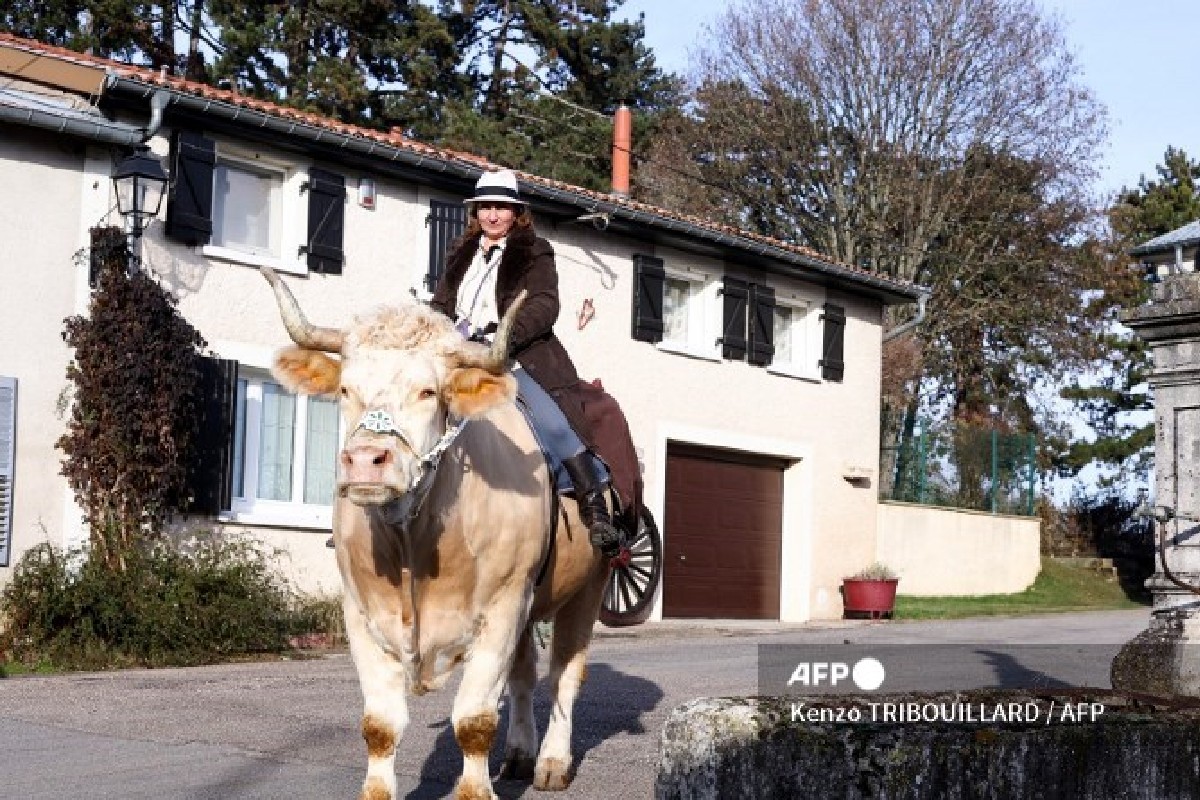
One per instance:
[(368, 474)]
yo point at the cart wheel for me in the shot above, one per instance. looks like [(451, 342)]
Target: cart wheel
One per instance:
[(633, 582)]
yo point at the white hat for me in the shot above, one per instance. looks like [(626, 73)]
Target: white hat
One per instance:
[(497, 187)]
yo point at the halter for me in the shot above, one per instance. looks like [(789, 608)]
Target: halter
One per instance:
[(406, 509)]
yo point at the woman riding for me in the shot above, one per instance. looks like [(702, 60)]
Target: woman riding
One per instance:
[(497, 257)]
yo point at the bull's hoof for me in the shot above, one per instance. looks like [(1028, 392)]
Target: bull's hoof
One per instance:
[(375, 789), (552, 775), (473, 790), (518, 766)]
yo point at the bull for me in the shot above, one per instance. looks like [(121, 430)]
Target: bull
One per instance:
[(445, 536)]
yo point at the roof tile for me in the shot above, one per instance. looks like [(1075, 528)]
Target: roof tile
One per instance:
[(395, 138)]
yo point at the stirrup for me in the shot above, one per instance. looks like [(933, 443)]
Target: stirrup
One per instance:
[(610, 546)]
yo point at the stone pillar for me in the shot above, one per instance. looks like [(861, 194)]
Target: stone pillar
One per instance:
[(1165, 658)]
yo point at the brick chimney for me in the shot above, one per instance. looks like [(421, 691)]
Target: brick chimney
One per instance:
[(622, 144)]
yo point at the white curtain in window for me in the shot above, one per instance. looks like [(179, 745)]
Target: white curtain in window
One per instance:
[(275, 443), (675, 310), (242, 209), (782, 335), (239, 441), (320, 451)]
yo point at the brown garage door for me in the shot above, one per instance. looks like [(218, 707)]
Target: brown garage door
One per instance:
[(722, 534)]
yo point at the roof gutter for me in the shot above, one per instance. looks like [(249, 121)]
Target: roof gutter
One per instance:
[(900, 330), (361, 146), (97, 130)]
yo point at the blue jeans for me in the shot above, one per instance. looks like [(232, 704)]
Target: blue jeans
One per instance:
[(555, 435)]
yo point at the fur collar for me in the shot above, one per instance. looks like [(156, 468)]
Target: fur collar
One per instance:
[(516, 260)]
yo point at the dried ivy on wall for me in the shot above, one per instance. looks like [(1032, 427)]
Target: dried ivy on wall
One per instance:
[(135, 378)]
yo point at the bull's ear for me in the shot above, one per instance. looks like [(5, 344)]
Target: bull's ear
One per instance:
[(472, 392), (307, 371)]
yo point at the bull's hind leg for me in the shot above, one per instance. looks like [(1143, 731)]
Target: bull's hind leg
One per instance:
[(385, 707), (568, 669), (520, 748)]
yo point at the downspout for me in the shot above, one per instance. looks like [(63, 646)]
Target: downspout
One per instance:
[(158, 103), (900, 330)]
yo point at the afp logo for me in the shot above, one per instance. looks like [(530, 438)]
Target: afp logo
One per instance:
[(866, 673)]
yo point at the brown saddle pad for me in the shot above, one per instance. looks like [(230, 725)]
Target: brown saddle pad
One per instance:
[(614, 443)]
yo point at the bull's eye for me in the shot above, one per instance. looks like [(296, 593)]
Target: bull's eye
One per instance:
[(426, 394)]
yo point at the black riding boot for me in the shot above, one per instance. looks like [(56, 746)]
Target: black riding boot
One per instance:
[(589, 494)]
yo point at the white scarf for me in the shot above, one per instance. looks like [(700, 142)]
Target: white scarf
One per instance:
[(476, 303)]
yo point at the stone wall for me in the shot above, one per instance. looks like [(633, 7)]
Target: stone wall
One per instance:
[(751, 748)]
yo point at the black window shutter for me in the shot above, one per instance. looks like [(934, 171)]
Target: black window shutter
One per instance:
[(733, 324), (8, 452), (446, 221), (649, 280), (210, 467), (761, 343), (832, 342), (189, 212), (326, 221)]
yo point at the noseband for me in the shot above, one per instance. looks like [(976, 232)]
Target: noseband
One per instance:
[(404, 510)]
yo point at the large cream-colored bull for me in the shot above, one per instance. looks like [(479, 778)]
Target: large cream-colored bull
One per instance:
[(446, 573)]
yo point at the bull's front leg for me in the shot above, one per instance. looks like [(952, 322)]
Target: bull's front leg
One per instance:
[(484, 675), (385, 707)]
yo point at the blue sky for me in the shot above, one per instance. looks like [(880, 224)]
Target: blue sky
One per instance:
[(1138, 57)]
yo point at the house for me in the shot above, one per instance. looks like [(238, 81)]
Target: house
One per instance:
[(1172, 253), (749, 368)]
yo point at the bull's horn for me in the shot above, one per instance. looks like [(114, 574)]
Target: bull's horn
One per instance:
[(303, 332), (495, 358)]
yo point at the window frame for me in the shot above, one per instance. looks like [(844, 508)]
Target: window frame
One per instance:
[(802, 365), (287, 212), (246, 507), (704, 314)]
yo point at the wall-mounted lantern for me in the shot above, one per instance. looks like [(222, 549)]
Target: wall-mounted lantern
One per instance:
[(140, 183)]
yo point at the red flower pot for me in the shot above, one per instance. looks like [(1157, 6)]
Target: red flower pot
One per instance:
[(873, 598)]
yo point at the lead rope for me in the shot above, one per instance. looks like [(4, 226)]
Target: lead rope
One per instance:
[(409, 506)]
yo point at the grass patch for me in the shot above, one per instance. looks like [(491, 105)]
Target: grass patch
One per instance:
[(1058, 588)]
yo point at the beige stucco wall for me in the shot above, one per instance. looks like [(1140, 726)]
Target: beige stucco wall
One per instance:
[(825, 430), (46, 210), (821, 427), (947, 552)]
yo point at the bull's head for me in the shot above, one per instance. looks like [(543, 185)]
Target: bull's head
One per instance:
[(400, 375)]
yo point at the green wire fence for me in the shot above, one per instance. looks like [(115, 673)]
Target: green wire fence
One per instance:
[(961, 466)]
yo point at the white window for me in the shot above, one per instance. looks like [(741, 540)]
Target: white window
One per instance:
[(284, 455), (690, 314), (246, 202), (257, 211), (795, 335)]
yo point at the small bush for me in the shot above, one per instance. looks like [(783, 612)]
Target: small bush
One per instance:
[(207, 601), (877, 571)]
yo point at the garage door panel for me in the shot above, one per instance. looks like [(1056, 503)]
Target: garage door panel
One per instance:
[(722, 535)]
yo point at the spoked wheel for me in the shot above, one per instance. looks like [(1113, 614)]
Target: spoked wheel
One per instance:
[(633, 582)]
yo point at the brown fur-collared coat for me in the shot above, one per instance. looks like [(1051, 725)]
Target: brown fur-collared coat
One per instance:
[(528, 263)]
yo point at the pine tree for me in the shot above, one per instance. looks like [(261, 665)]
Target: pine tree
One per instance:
[(547, 75), (1124, 438), (124, 30), (369, 62)]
